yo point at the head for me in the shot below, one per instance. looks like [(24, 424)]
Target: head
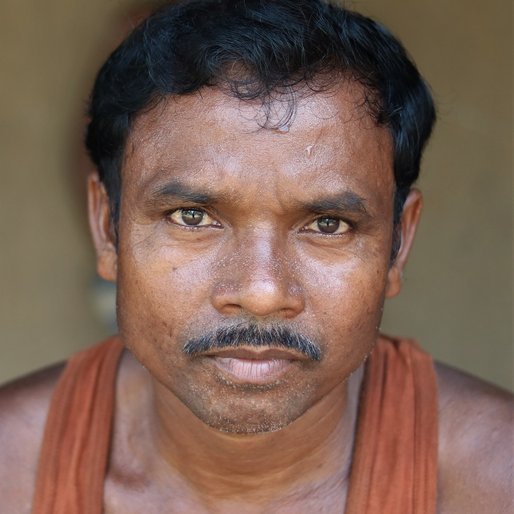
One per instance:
[(255, 163)]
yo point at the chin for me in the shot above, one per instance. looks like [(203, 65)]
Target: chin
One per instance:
[(240, 427), (249, 423), (249, 413)]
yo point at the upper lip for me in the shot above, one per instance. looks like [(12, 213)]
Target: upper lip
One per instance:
[(251, 353)]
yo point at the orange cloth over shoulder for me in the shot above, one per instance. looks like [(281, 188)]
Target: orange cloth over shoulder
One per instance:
[(394, 469)]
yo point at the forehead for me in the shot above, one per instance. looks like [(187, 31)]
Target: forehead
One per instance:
[(209, 136)]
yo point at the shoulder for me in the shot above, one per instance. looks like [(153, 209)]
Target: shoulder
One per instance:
[(475, 445), (24, 406)]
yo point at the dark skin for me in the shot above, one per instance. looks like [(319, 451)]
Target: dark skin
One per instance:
[(225, 222)]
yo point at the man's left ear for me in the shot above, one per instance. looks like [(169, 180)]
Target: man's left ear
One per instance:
[(409, 223)]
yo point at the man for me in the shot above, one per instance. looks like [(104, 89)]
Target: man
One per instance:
[(254, 203)]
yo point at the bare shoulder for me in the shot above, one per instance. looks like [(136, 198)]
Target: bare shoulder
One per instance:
[(24, 406), (476, 448)]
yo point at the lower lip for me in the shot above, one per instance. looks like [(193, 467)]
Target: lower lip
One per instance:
[(252, 370)]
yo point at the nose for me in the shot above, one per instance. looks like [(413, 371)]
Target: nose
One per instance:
[(257, 278)]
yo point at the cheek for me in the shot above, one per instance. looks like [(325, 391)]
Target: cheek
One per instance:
[(160, 296), (160, 290), (346, 304), (349, 287)]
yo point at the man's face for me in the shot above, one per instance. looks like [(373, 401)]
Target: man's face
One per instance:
[(224, 223)]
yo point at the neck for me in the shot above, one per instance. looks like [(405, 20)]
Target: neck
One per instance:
[(311, 454)]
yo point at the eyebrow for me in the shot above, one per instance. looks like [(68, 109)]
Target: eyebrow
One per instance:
[(180, 191), (346, 201)]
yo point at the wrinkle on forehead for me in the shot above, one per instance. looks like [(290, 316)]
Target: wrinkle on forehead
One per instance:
[(213, 106), (209, 135)]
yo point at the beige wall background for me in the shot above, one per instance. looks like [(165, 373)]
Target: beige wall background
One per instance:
[(457, 298)]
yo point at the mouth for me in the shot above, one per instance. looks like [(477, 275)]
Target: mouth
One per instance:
[(254, 366)]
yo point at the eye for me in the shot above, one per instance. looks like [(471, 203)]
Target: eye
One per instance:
[(191, 217), (328, 225)]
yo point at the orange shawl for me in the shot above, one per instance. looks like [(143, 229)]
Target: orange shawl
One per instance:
[(394, 469)]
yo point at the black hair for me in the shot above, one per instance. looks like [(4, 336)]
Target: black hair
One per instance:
[(259, 50)]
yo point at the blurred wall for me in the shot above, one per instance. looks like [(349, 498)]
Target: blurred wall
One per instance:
[(457, 298)]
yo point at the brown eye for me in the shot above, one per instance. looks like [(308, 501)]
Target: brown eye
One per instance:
[(191, 218), (328, 225)]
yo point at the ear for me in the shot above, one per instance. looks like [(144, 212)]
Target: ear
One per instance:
[(409, 223), (101, 228)]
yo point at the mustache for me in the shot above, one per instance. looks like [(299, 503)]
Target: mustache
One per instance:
[(254, 336)]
